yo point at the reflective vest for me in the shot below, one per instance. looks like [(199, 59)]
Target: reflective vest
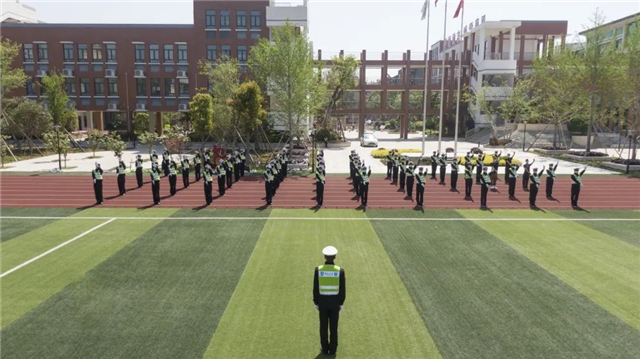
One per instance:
[(319, 176), (365, 176), (185, 164), (486, 178), (551, 173), (97, 175), (535, 179), (269, 176), (154, 158), (121, 169), (577, 179), (172, 170), (138, 163), (454, 166), (155, 176), (420, 179), (434, 159), (221, 170), (409, 171), (243, 157), (468, 172), (208, 177), (513, 172), (329, 279), (442, 161)]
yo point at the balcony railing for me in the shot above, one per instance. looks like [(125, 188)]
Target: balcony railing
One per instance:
[(496, 56), (527, 56)]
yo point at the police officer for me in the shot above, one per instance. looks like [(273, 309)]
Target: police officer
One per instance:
[(139, 170), (268, 184), (276, 175), (208, 184), (513, 177), (243, 162), (507, 167), (396, 167), (389, 163), (185, 171), (221, 171), (493, 175), (526, 174), (364, 184), (403, 172), (154, 157), (329, 294), (357, 178), (468, 179), (236, 165), (197, 159), (576, 185), (420, 183), (320, 185), (442, 161), (535, 184), (96, 174), (155, 183), (485, 182), (206, 157), (479, 167), (165, 162), (229, 167), (283, 163), (173, 177), (410, 178), (434, 164), (454, 174), (551, 176), (468, 158), (121, 172)]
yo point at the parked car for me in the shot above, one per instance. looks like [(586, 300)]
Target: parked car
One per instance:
[(368, 139)]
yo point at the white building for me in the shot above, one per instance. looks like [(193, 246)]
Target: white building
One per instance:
[(15, 11)]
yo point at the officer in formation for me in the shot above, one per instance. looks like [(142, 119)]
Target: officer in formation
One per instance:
[(442, 162), (485, 183), (329, 294), (454, 175), (206, 156), (96, 174), (197, 160), (154, 157), (576, 185), (275, 170), (243, 162), (390, 160), (354, 166), (434, 164), (155, 183), (551, 177), (121, 173), (364, 175), (396, 167), (221, 171), (535, 184), (526, 174), (237, 164), (165, 162), (513, 177), (507, 166), (284, 157), (479, 168), (320, 174), (268, 184), (468, 179), (420, 183), (495, 165), (139, 170), (409, 173), (173, 177), (208, 184), (230, 168), (185, 171), (352, 157)]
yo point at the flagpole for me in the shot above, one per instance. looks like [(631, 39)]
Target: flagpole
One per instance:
[(444, 44), (455, 141), (426, 69)]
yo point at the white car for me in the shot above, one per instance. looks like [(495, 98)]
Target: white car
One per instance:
[(368, 139)]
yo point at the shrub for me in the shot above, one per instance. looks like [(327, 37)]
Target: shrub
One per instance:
[(578, 125), (325, 132), (383, 153), (488, 159)]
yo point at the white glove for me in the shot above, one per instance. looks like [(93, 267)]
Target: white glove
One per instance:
[(94, 181), (340, 309), (317, 307)]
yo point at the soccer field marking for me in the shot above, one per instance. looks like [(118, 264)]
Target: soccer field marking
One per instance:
[(56, 247), (336, 219)]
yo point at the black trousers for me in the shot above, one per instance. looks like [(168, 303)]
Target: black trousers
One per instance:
[(395, 174), (155, 191), (139, 176), (403, 176), (172, 184), (478, 174), (420, 194), (97, 189), (185, 178), (512, 186), (525, 180), (197, 169), (483, 195), (507, 175), (351, 170), (443, 171), (268, 190), (356, 185), (454, 179), (236, 171), (468, 185), (319, 192), (533, 193), (229, 179), (409, 186), (285, 168), (165, 167), (434, 166), (208, 192), (121, 186), (575, 194), (550, 187), (389, 169), (364, 193), (329, 317), (221, 182)]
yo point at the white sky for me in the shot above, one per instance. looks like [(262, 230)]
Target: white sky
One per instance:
[(352, 25)]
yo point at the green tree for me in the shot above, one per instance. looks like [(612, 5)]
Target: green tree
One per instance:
[(284, 66), (5, 147), (176, 139), (341, 77), (115, 144), (30, 120), (95, 138), (57, 98), (225, 80), (141, 123), (201, 113), (148, 139), (57, 141), (12, 78), (247, 104), (631, 62)]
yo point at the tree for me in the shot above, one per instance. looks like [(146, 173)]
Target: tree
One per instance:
[(30, 119), (95, 139), (57, 141), (341, 77), (141, 123), (247, 104), (12, 78), (225, 79), (57, 98), (115, 144), (5, 147), (149, 139), (631, 62), (284, 66), (175, 139), (201, 113)]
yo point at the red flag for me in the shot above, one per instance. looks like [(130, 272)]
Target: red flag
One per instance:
[(460, 6)]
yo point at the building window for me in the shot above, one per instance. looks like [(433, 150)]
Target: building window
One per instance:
[(70, 86), (212, 54), (211, 35), (169, 87), (183, 87), (155, 87), (226, 52), (139, 52), (182, 53), (372, 99), (256, 19), (98, 87), (67, 52), (168, 53), (255, 35), (394, 100), (416, 76), (154, 53), (83, 54), (84, 86), (350, 100), (225, 19), (113, 86), (241, 19), (27, 52), (141, 87), (395, 76), (242, 54), (225, 34), (111, 52), (43, 52), (241, 35), (97, 52), (30, 90), (210, 19)]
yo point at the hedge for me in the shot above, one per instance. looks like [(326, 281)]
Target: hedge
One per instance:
[(383, 153)]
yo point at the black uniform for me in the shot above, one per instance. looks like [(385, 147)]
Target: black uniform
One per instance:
[(420, 183), (410, 179), (576, 184), (356, 179), (479, 166), (208, 185), (185, 172), (329, 309), (221, 172), (443, 168), (551, 176), (165, 163), (513, 177), (97, 184), (396, 164), (236, 167), (485, 182), (468, 179), (155, 185), (139, 172), (526, 175), (454, 174), (173, 177), (403, 174), (434, 165), (364, 185), (533, 189), (319, 187), (120, 170), (196, 166), (389, 165), (507, 167), (268, 186), (243, 162), (229, 167)]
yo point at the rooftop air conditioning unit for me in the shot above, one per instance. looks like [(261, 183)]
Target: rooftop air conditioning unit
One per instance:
[(67, 72), (41, 73), (182, 73), (138, 73), (110, 73), (112, 107), (182, 107), (141, 107)]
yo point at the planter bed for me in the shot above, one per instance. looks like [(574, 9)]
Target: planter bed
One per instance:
[(593, 156), (551, 152), (621, 167)]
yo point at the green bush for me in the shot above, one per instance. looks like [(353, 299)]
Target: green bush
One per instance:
[(578, 125), (383, 153), (323, 133), (488, 159)]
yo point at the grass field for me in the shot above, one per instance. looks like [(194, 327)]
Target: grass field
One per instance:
[(167, 283)]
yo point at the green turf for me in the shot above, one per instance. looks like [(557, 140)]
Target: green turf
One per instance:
[(271, 314), (625, 231), (481, 299), (223, 212), (159, 297), (11, 228), (603, 268)]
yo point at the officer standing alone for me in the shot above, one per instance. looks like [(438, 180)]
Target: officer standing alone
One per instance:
[(319, 185), (96, 174), (329, 294)]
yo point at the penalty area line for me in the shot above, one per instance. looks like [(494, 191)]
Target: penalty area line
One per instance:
[(55, 248)]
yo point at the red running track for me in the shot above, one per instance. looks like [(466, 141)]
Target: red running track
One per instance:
[(299, 192)]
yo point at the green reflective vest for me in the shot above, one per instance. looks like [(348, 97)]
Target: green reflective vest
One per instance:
[(420, 178), (139, 163), (454, 166), (468, 172), (329, 279), (172, 170), (121, 169), (269, 176), (155, 176), (577, 179), (319, 176), (208, 177), (551, 173), (409, 171), (97, 174), (513, 172), (535, 179), (221, 170), (185, 164)]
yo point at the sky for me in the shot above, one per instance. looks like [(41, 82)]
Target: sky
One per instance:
[(351, 25)]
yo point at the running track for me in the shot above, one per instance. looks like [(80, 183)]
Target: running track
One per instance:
[(299, 192)]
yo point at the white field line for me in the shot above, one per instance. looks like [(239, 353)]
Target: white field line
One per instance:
[(418, 219), (55, 248)]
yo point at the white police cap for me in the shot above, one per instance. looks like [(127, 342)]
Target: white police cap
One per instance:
[(329, 251)]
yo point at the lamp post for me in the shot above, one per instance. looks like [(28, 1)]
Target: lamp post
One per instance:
[(57, 128), (524, 136)]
